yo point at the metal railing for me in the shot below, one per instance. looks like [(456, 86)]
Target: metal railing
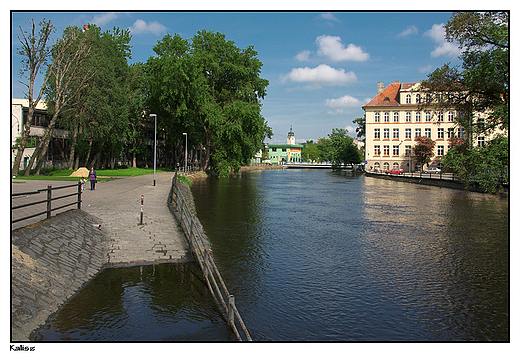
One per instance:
[(48, 201), (203, 256)]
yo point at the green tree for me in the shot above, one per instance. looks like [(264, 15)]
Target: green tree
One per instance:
[(212, 90), (35, 53), (340, 148), (488, 165), (66, 78), (423, 149), (311, 152)]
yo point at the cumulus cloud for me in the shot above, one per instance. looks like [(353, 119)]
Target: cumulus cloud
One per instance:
[(104, 19), (141, 27), (442, 47), (329, 17), (408, 31), (332, 48), (303, 56), (343, 102), (323, 74)]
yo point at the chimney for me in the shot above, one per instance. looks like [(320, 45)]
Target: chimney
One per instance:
[(380, 87)]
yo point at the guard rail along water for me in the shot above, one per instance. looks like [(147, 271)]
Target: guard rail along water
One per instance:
[(47, 201), (203, 256)]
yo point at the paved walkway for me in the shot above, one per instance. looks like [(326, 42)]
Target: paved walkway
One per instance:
[(117, 203)]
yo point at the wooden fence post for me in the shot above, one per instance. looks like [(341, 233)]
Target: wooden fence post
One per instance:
[(49, 197)]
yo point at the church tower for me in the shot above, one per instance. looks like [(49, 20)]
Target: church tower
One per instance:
[(290, 138)]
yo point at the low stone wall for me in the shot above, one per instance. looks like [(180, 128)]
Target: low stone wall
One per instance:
[(51, 260), (445, 183)]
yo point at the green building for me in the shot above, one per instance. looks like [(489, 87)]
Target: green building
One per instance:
[(285, 153)]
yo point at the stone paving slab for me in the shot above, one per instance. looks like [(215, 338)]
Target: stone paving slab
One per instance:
[(117, 204), (52, 259)]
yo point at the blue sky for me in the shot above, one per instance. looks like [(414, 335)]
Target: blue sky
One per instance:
[(322, 66)]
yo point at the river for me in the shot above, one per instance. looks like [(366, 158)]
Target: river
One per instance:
[(313, 255)]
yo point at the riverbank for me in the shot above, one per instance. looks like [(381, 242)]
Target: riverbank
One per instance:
[(425, 180)]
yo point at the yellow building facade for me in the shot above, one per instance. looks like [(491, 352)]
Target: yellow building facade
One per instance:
[(393, 120)]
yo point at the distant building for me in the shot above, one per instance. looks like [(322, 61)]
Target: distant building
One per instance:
[(285, 153), (393, 120), (59, 142)]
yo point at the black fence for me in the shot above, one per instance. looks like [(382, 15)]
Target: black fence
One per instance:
[(47, 201)]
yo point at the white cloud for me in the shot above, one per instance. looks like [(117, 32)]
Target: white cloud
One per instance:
[(323, 74), (329, 17), (425, 69), (141, 27), (408, 31), (103, 19), (303, 56), (443, 47), (343, 102), (332, 48)]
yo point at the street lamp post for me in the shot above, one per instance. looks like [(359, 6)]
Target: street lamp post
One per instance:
[(186, 154), (154, 146)]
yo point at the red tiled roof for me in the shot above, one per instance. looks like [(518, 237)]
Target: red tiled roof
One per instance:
[(389, 97)]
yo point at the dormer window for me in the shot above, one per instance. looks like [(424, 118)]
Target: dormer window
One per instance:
[(417, 98), (408, 98)]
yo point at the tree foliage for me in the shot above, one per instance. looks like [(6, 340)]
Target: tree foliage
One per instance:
[(479, 89), (35, 53), (423, 149), (210, 89)]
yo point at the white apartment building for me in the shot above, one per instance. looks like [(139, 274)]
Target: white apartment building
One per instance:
[(393, 120), (19, 111)]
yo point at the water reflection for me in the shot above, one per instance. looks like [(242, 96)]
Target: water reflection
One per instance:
[(166, 302), (340, 257), (318, 256)]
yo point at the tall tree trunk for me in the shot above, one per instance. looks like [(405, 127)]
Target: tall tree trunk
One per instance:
[(88, 151), (73, 147)]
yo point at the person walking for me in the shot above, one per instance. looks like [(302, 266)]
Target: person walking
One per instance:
[(93, 178)]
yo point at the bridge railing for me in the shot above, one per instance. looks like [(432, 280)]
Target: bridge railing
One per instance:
[(48, 201), (199, 247)]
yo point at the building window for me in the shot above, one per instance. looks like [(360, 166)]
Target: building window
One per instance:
[(418, 132), (376, 117), (395, 134), (274, 149), (408, 133), (386, 134), (395, 150), (395, 165), (428, 116), (386, 117), (408, 98), (440, 133), (417, 98), (407, 150), (396, 117), (377, 133), (386, 150), (428, 132), (284, 150), (417, 117), (461, 132), (377, 150), (428, 98), (440, 150), (441, 116), (450, 117), (408, 117), (451, 132), (376, 166), (480, 141), (386, 166)]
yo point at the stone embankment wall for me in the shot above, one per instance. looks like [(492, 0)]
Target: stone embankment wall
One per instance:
[(51, 260)]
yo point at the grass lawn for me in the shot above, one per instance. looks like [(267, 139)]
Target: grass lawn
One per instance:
[(103, 175)]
